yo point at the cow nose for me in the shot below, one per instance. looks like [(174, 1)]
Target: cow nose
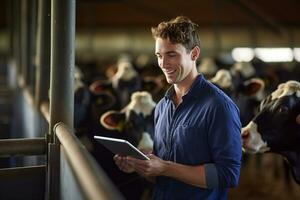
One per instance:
[(245, 134)]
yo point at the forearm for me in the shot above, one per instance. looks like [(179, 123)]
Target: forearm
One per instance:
[(193, 175)]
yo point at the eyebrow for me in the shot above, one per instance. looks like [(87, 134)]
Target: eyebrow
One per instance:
[(168, 52)]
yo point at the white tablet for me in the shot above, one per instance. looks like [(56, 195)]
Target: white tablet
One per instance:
[(121, 147)]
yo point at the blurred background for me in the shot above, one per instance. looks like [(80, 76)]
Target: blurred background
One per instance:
[(265, 34)]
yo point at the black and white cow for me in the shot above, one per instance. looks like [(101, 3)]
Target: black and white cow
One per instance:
[(126, 81), (207, 67), (135, 121), (276, 127), (82, 98)]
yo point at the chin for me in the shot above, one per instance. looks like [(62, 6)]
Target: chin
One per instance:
[(170, 81)]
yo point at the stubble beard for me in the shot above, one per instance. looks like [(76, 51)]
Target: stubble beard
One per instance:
[(176, 75)]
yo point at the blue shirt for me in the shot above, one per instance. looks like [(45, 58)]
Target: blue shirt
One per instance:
[(203, 129)]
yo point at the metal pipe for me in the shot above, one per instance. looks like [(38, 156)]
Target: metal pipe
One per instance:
[(62, 63), (61, 82), (17, 35), (94, 183), (23, 146), (43, 52), (28, 96), (31, 43), (24, 44), (45, 110)]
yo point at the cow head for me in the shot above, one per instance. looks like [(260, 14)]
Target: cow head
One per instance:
[(276, 127), (135, 121), (125, 82), (226, 81), (207, 67)]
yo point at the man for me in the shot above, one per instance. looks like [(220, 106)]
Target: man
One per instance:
[(197, 148)]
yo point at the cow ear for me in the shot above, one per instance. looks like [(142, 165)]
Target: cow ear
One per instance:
[(298, 119), (113, 120), (253, 86), (100, 86)]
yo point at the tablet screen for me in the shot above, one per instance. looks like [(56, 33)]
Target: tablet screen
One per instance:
[(121, 147)]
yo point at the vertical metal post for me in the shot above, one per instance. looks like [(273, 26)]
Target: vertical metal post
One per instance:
[(17, 35), (10, 22), (42, 60), (28, 15), (62, 63), (31, 43), (24, 43), (61, 83)]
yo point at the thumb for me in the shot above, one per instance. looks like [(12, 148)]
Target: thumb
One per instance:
[(151, 156)]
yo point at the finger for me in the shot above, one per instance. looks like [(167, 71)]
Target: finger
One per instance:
[(141, 168), (136, 161), (146, 151), (151, 156), (124, 167)]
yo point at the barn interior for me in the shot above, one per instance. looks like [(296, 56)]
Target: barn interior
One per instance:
[(42, 42)]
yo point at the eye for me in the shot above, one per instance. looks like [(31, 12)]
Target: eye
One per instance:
[(171, 55), (283, 109)]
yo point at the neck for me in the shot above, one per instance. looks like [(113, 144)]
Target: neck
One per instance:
[(183, 86)]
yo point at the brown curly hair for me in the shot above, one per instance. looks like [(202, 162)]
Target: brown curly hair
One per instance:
[(178, 30)]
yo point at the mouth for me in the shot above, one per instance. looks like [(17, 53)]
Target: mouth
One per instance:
[(252, 150), (170, 72), (249, 150)]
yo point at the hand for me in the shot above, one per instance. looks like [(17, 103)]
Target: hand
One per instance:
[(122, 164), (146, 151), (153, 167)]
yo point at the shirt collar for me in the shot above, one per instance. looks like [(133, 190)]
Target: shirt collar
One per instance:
[(194, 91)]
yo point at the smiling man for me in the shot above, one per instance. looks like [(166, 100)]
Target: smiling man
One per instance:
[(197, 148)]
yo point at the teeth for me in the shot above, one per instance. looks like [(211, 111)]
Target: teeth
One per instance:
[(170, 72)]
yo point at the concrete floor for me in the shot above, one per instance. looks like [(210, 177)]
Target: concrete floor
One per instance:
[(263, 178)]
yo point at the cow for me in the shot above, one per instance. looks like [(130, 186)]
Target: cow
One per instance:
[(135, 123), (82, 98), (276, 127), (125, 82), (207, 67), (121, 85)]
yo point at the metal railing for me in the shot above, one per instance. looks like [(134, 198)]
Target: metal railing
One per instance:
[(45, 111), (92, 180), (22, 146)]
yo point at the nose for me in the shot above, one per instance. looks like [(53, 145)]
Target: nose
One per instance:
[(245, 134), (162, 62)]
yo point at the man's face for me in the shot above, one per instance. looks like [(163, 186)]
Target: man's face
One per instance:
[(174, 60)]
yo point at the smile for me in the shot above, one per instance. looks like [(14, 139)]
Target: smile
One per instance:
[(169, 72)]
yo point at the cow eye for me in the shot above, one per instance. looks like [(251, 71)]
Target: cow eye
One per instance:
[(283, 109)]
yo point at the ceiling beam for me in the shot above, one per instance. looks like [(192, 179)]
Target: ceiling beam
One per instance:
[(261, 16)]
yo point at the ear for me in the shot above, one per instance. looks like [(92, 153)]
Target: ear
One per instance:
[(253, 86), (298, 119), (113, 120), (195, 53), (99, 86)]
